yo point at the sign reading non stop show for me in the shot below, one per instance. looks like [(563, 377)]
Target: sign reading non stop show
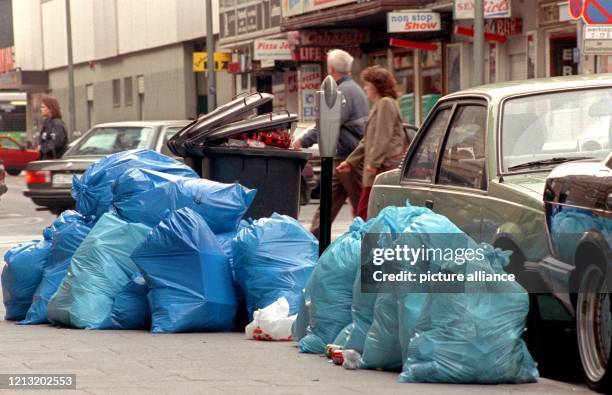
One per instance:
[(408, 21)]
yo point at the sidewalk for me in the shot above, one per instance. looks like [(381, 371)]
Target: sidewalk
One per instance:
[(206, 363), (211, 363)]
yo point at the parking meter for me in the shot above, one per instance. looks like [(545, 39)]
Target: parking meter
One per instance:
[(329, 104)]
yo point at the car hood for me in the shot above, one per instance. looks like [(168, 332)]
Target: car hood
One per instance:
[(531, 183), (70, 164)]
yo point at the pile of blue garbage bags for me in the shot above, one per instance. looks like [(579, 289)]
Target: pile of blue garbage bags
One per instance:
[(461, 337), (153, 246)]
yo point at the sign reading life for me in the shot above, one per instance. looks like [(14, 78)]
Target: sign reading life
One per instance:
[(409, 21)]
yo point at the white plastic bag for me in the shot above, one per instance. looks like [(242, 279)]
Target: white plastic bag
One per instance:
[(271, 323)]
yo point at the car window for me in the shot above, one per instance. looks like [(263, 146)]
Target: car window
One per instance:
[(8, 144), (463, 158), (104, 141), (167, 136), (548, 127), (423, 160)]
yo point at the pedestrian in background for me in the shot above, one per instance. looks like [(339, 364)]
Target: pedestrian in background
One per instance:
[(52, 138), (352, 127), (382, 146)]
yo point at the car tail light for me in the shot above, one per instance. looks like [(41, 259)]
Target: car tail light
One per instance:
[(38, 177)]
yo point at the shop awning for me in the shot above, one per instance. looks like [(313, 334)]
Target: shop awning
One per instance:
[(26, 81), (396, 42), (469, 32)]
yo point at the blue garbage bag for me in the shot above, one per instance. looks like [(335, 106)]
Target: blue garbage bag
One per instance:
[(381, 349), (66, 240), (274, 258), (387, 225), (147, 196), (330, 290), (100, 269), (188, 274), (92, 190), (130, 307), (62, 220), (21, 276), (473, 337)]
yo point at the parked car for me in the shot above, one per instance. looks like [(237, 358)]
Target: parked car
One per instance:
[(15, 156), (49, 182), (482, 157), (578, 199), (3, 188)]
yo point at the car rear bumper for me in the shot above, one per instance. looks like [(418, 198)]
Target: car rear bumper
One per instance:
[(50, 197)]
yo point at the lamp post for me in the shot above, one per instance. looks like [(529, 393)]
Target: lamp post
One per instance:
[(210, 56)]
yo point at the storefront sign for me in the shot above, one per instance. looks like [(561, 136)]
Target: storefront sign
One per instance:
[(406, 22), (505, 26), (309, 78), (248, 16), (335, 37), (597, 39), (298, 7), (464, 9), (222, 61), (278, 49)]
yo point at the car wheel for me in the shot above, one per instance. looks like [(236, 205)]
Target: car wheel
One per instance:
[(13, 172), (594, 329)]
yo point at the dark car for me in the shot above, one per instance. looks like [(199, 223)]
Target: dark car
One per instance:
[(578, 199), (3, 187), (49, 182)]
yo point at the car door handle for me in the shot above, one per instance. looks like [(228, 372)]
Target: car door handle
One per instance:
[(429, 204)]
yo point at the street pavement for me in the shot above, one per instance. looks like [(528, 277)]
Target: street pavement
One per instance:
[(134, 362)]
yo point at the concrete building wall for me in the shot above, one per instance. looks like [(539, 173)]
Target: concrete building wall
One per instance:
[(168, 88), (27, 32)]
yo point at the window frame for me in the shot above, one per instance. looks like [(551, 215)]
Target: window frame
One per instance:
[(128, 93), (116, 90), (453, 103), (483, 188)]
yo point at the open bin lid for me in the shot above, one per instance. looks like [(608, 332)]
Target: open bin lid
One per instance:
[(260, 123), (232, 111)]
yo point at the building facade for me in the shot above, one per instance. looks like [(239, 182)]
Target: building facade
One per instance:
[(133, 59)]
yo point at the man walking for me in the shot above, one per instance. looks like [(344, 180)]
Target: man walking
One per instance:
[(352, 127)]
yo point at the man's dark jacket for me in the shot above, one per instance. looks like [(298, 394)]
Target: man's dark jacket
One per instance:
[(353, 119)]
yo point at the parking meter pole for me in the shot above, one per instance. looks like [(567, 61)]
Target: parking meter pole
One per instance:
[(327, 169), (329, 103)]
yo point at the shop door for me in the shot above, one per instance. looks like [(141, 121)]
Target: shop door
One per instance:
[(562, 56)]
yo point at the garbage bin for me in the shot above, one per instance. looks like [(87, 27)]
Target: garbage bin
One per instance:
[(275, 173)]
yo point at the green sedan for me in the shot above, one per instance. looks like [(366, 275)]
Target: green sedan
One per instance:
[(482, 157)]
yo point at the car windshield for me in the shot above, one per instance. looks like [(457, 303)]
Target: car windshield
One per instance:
[(108, 140), (551, 128)]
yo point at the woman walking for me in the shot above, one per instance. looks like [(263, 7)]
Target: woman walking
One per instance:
[(52, 138), (382, 146)]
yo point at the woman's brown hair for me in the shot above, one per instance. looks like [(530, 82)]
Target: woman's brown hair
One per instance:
[(53, 105), (382, 79)]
